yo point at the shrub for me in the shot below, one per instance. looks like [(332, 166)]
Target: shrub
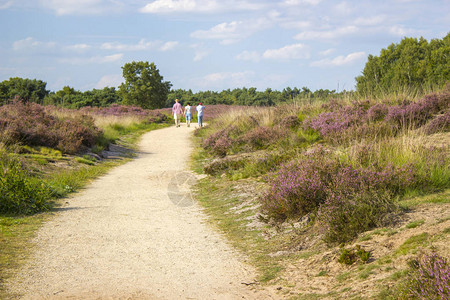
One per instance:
[(290, 122), (297, 188), (440, 123), (350, 256), (429, 278), (19, 192), (260, 137), (377, 112), (30, 124), (345, 216), (219, 142)]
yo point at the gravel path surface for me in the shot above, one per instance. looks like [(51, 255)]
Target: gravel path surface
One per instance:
[(135, 233)]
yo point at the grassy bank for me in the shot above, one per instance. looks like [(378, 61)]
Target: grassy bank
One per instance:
[(304, 188)]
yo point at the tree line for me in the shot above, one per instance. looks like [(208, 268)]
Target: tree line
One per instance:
[(412, 64)]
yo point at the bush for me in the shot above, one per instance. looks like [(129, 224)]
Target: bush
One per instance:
[(440, 123), (345, 216), (30, 124), (260, 137), (20, 193), (298, 187), (429, 278)]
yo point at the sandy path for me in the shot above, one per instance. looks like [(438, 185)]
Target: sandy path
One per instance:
[(129, 235)]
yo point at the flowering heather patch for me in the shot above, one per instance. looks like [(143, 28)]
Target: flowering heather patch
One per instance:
[(261, 137), (297, 188), (335, 122), (431, 279), (440, 123), (219, 142), (347, 197), (377, 112), (416, 114), (30, 124)]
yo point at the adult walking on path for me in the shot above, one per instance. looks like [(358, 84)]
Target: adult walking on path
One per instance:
[(135, 233), (200, 109), (177, 111)]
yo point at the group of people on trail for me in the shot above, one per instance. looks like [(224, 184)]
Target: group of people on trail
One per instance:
[(178, 111)]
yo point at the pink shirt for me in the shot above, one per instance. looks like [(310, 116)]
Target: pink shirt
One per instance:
[(177, 108)]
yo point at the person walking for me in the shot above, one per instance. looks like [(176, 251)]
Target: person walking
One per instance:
[(187, 114), (177, 111), (200, 109)]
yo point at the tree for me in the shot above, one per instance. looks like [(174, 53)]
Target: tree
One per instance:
[(144, 86), (25, 89), (414, 64)]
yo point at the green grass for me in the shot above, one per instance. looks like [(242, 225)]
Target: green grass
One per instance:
[(414, 224), (412, 244), (435, 198)]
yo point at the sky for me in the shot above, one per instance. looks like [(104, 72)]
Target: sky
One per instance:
[(208, 44)]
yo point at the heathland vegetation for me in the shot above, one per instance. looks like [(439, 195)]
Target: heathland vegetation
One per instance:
[(333, 170), (301, 181)]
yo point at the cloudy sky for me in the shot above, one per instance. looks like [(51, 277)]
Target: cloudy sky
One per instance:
[(208, 44)]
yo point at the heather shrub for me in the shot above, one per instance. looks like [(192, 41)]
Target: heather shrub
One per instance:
[(344, 215), (429, 278), (260, 137), (377, 112), (219, 143), (440, 123), (290, 122), (298, 187), (19, 192), (30, 124)]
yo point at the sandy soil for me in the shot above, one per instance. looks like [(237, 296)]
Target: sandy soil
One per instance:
[(135, 233)]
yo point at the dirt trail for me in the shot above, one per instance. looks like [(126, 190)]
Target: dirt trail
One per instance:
[(135, 234)]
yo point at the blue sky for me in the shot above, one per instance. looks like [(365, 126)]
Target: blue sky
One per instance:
[(208, 44)]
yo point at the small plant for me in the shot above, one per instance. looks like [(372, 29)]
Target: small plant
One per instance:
[(350, 256), (347, 257)]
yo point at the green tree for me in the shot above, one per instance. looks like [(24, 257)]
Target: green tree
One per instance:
[(144, 86), (30, 90), (413, 64)]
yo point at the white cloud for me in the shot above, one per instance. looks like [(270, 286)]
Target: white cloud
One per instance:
[(370, 21), (82, 7), (198, 6), (30, 43), (92, 60), (234, 31), (327, 35), (401, 31), (249, 56), (112, 80), (142, 45), (227, 79), (327, 52), (168, 46), (78, 47), (6, 5), (295, 51), (301, 2), (339, 60)]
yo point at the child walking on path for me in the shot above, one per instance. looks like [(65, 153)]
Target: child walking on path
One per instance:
[(187, 115)]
